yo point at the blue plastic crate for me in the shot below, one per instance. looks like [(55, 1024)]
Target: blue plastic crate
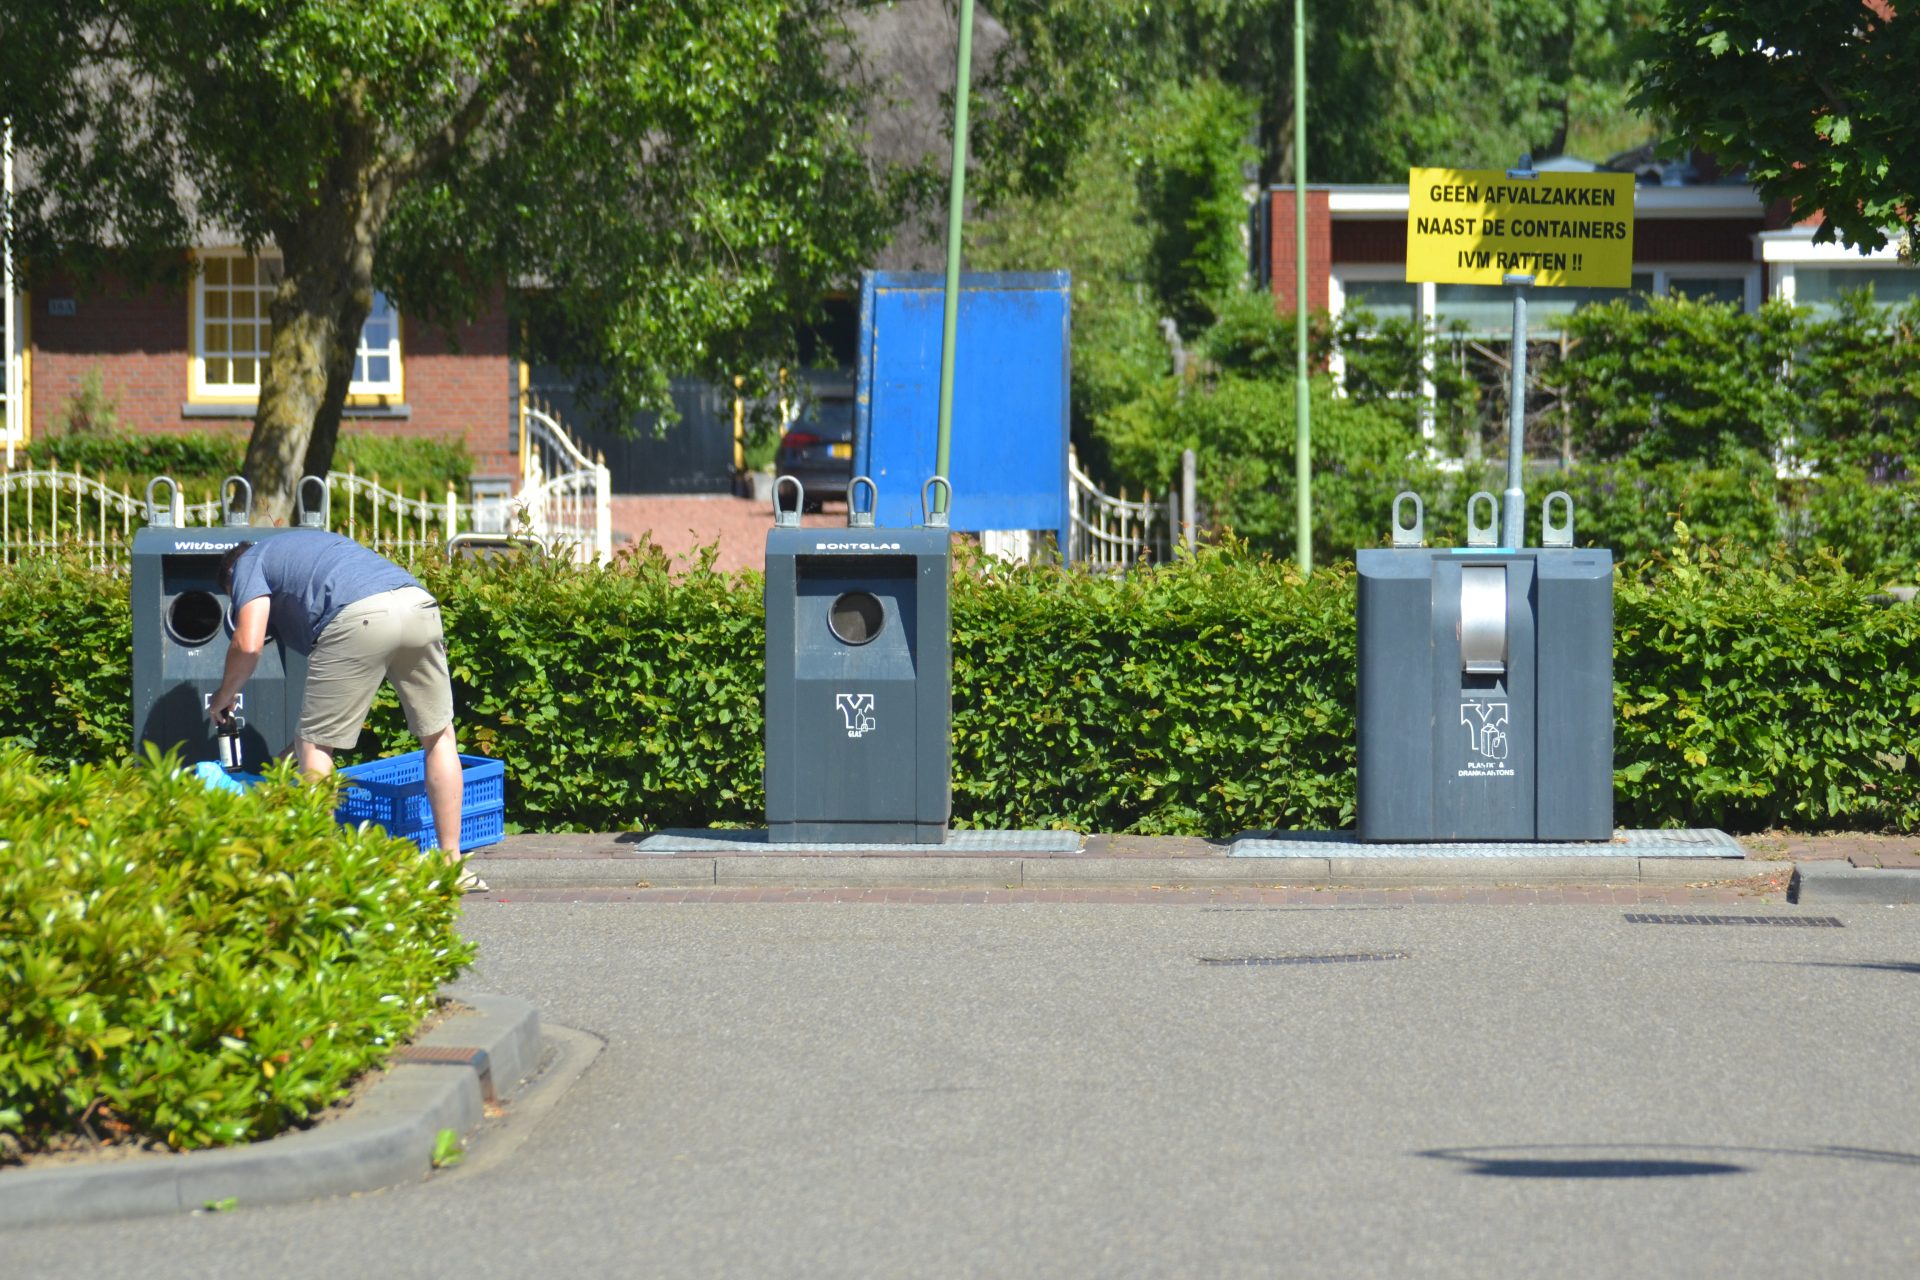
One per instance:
[(392, 795)]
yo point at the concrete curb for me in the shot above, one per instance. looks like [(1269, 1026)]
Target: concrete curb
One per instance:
[(386, 1138), (935, 871), (1824, 883)]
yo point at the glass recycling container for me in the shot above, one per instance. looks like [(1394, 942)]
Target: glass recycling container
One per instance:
[(858, 677)]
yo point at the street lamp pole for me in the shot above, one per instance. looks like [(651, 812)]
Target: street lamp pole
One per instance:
[(956, 208), (1303, 430)]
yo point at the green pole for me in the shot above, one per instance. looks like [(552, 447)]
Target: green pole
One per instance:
[(1303, 429), (956, 207)]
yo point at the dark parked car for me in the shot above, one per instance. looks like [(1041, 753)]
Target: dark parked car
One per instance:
[(817, 448)]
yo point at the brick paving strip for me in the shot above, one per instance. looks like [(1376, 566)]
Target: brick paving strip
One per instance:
[(1743, 891)]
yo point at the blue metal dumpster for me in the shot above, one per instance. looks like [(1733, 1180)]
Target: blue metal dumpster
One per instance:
[(1009, 441)]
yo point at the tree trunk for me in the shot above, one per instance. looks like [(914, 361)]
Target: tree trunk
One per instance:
[(315, 330), (325, 295)]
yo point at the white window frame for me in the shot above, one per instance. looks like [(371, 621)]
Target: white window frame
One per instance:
[(390, 389), (1749, 274)]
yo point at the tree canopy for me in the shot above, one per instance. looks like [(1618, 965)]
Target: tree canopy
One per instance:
[(680, 178), (1391, 83), (1817, 98)]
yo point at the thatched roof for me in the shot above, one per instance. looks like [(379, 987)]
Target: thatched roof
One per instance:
[(909, 52)]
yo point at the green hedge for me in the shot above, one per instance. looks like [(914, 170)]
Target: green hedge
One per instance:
[(200, 460), (198, 967), (1201, 698)]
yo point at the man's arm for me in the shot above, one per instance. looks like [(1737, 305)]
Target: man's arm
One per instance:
[(243, 655)]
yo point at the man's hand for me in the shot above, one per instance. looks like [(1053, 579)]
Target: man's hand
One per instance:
[(220, 706)]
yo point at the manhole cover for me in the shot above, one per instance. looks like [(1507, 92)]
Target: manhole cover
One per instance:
[(1352, 957), (1772, 922)]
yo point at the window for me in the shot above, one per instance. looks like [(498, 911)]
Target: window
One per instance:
[(230, 325), (1487, 309), (1821, 287), (232, 341), (1709, 289), (1385, 299), (376, 365)]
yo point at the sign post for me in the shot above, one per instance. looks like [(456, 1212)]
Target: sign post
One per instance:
[(1521, 228)]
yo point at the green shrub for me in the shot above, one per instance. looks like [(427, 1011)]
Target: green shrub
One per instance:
[(1668, 380), (1632, 507), (406, 464), (1198, 698), (1753, 697), (1241, 430), (1857, 374), (90, 410), (66, 659), (618, 697), (198, 458), (199, 967), (201, 460)]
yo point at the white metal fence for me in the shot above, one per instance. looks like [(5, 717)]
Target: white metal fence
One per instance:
[(1114, 534), (565, 497), (563, 501)]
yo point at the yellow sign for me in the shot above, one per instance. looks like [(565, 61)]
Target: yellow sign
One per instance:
[(1478, 226)]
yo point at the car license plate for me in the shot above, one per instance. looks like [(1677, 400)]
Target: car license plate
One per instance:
[(843, 451)]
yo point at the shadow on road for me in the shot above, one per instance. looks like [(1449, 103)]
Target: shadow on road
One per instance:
[(1635, 1160)]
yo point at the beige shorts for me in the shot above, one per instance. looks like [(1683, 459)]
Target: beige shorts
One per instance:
[(394, 636)]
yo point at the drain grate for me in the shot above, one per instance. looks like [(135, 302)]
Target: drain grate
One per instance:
[(1775, 922), (1353, 957)]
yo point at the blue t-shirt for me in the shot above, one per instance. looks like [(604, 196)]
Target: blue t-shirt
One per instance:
[(311, 575)]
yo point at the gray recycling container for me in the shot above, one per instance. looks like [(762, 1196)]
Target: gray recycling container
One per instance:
[(181, 626), (1485, 694), (859, 684)]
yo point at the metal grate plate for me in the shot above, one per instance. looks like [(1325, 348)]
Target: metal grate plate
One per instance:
[(1352, 957), (709, 841), (1773, 922), (1696, 843)]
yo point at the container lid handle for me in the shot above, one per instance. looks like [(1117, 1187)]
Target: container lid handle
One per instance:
[(158, 516), (929, 518), (782, 517), (243, 513), (315, 518), (856, 518)]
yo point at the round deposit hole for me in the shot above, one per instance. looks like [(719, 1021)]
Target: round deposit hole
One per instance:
[(194, 618), (856, 617)]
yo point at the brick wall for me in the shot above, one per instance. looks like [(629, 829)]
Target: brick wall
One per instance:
[(458, 385), (463, 385), (137, 339), (1283, 252), (1695, 239)]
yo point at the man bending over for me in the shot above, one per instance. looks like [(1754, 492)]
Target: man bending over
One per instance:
[(359, 618)]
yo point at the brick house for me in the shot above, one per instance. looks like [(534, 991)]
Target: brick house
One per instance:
[(190, 359)]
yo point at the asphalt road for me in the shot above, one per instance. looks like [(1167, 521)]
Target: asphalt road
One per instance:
[(1067, 1090)]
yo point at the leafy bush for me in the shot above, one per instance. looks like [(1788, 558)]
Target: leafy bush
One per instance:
[(1242, 433), (1857, 374), (199, 457), (1752, 697), (1207, 697), (617, 697), (195, 966), (90, 410), (1668, 380), (1203, 697), (1190, 190), (201, 460), (1632, 507), (66, 655), (406, 464)]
